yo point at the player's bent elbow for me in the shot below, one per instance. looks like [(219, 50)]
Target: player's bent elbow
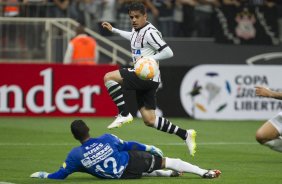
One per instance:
[(169, 53)]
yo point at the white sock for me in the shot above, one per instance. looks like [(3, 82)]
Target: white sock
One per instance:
[(156, 122), (181, 166), (164, 173), (275, 144)]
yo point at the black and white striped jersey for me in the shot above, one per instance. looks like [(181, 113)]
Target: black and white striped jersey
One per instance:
[(146, 41)]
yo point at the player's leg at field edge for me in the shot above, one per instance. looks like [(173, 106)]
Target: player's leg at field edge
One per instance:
[(163, 124), (269, 136), (181, 166)]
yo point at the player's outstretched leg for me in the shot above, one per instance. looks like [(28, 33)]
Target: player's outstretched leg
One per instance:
[(163, 173), (115, 91), (185, 167), (189, 136), (269, 135)]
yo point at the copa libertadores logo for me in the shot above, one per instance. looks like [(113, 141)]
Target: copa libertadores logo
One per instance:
[(228, 91), (207, 92)]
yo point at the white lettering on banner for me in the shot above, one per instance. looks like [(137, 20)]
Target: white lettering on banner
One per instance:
[(227, 91), (64, 93), (87, 92), (4, 99), (46, 88)]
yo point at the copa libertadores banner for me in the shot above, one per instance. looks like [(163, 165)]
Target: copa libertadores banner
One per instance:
[(246, 25), (227, 91)]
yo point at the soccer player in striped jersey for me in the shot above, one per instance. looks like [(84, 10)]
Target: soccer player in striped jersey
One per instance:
[(146, 41), (109, 157), (270, 133)]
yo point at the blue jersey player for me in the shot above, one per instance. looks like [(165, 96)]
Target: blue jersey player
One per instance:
[(108, 156)]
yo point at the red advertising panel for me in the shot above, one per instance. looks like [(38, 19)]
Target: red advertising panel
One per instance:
[(54, 90)]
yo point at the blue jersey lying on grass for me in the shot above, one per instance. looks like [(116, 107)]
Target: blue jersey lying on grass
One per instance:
[(105, 157)]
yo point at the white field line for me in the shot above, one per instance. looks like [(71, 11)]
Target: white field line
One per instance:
[(159, 144)]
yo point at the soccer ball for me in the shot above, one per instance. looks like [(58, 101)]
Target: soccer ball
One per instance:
[(146, 68)]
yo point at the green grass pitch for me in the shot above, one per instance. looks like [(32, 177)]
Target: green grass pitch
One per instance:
[(41, 144)]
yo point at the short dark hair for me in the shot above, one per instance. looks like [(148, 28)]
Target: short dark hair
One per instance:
[(79, 130), (80, 29), (137, 6)]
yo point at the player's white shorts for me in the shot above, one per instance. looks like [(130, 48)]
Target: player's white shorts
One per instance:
[(276, 121)]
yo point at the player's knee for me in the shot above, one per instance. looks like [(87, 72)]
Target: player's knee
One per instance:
[(260, 137), (107, 77), (149, 123), (148, 117)]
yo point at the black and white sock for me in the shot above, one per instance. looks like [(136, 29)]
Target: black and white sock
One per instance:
[(115, 91), (165, 125)]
